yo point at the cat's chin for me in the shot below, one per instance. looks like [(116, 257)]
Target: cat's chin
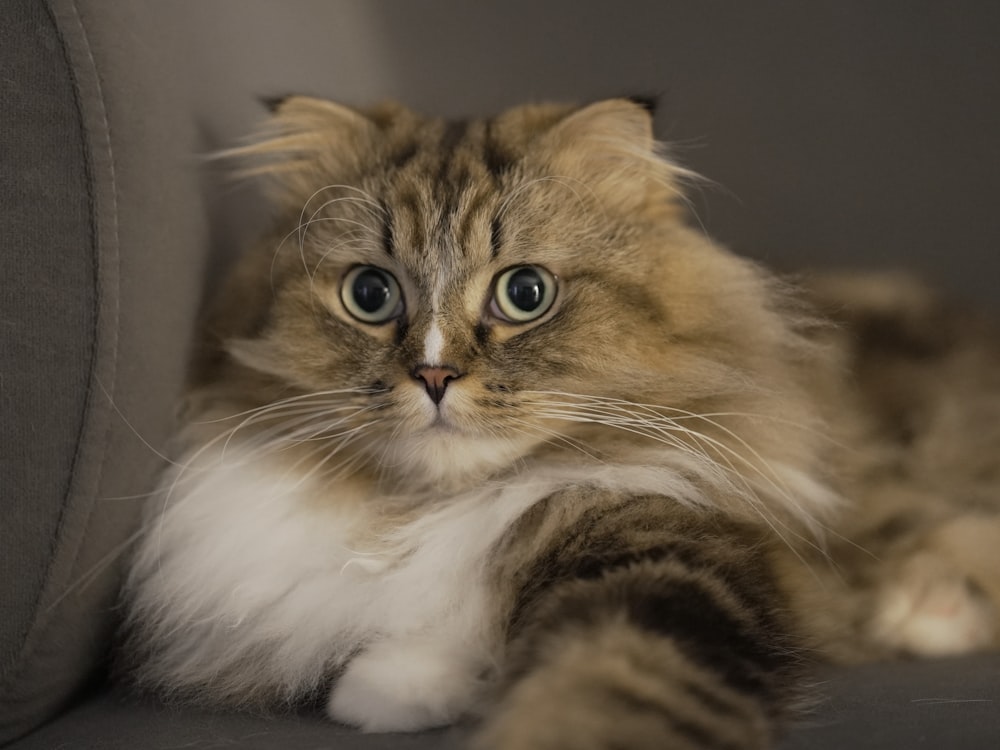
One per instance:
[(445, 457)]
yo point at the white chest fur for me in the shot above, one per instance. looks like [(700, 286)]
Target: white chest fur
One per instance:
[(252, 577), (248, 571)]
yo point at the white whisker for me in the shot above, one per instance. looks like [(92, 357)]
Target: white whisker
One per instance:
[(650, 422)]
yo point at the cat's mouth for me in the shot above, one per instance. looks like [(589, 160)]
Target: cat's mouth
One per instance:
[(443, 425), (440, 423), (441, 417)]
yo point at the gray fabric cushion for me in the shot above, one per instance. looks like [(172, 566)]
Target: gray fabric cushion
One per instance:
[(949, 704), (49, 315), (103, 265), (47, 306), (933, 705)]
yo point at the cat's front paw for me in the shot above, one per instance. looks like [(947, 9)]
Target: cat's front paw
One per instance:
[(930, 608), (404, 685)]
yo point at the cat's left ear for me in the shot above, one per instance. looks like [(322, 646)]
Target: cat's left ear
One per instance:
[(611, 148)]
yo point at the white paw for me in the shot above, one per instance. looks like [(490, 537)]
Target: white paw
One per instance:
[(930, 609), (405, 685)]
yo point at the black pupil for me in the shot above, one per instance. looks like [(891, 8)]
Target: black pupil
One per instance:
[(526, 289), (371, 291)]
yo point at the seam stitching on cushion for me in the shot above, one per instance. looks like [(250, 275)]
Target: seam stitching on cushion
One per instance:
[(111, 328), (107, 388)]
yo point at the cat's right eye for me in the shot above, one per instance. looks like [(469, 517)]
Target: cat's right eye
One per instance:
[(371, 295)]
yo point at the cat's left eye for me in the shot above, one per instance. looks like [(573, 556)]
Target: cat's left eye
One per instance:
[(371, 295), (523, 294)]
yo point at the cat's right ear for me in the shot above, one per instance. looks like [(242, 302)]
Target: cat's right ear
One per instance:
[(306, 139), (273, 103), (610, 147)]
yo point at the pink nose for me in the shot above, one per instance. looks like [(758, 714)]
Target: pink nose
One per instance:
[(436, 380)]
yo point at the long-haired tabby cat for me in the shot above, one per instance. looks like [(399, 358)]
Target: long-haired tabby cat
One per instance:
[(484, 428)]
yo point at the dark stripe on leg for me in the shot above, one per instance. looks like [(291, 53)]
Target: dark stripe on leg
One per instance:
[(636, 704), (743, 653)]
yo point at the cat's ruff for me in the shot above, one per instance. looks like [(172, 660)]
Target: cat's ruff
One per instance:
[(299, 584)]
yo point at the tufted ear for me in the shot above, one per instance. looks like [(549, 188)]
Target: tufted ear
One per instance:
[(609, 146), (305, 140), (646, 101)]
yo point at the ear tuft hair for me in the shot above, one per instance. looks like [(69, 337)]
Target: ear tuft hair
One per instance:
[(273, 103), (648, 102), (610, 147)]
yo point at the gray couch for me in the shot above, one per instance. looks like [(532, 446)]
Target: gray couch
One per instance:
[(841, 133)]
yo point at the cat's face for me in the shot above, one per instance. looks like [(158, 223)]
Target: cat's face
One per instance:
[(474, 287)]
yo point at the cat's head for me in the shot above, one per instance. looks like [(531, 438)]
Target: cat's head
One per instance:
[(478, 291)]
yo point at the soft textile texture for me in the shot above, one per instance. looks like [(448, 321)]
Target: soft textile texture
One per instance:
[(947, 704), (48, 309), (101, 278)]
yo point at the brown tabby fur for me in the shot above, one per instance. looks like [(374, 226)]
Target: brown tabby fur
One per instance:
[(625, 618)]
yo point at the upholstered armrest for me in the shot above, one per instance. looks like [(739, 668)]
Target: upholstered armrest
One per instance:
[(101, 265)]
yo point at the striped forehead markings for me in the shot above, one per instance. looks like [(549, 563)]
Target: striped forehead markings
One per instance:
[(496, 236), (457, 202), (388, 231), (454, 133), (453, 182), (497, 159)]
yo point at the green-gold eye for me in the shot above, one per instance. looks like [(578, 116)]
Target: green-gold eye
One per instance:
[(523, 294), (371, 295)]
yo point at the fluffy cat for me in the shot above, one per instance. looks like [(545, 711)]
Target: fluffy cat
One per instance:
[(484, 428)]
